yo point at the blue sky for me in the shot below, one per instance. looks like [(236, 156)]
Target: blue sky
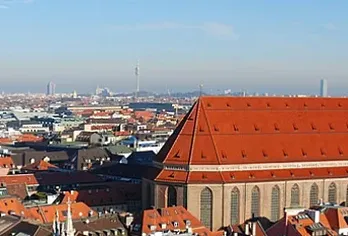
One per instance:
[(265, 46)]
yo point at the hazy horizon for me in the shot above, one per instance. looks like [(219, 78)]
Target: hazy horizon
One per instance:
[(263, 46)]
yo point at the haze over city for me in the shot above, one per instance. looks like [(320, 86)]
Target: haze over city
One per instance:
[(264, 46)]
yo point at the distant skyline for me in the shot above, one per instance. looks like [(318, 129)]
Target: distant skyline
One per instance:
[(264, 46)]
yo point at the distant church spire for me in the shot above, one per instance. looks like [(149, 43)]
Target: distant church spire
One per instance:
[(65, 228), (70, 231)]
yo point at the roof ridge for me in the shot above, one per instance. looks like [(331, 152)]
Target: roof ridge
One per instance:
[(211, 136), (182, 124), (193, 135)]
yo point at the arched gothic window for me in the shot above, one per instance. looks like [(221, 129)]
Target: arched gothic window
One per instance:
[(255, 202), (235, 206), (332, 198), (171, 196), (206, 208), (295, 195), (275, 203), (314, 195)]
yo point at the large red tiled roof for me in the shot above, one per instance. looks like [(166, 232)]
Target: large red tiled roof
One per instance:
[(244, 130)]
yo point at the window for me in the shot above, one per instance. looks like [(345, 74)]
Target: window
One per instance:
[(255, 202), (171, 196), (313, 195), (206, 207), (235, 206), (295, 195), (275, 203), (332, 193)]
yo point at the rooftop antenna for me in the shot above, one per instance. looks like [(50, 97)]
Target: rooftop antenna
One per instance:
[(137, 78)]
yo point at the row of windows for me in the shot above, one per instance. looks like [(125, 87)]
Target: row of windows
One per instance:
[(206, 201)]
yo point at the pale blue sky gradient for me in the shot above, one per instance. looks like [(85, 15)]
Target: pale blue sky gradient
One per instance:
[(265, 46)]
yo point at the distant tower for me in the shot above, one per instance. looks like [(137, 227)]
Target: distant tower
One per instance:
[(51, 88), (74, 94), (69, 231), (200, 90), (137, 71), (323, 88)]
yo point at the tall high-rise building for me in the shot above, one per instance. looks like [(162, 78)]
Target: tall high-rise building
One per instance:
[(51, 88), (323, 88), (137, 74)]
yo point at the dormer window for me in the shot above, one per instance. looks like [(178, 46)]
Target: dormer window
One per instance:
[(331, 126), (235, 127), (313, 126), (244, 155), (216, 128), (295, 126), (339, 104), (228, 105), (285, 153), (340, 151), (268, 105), (322, 151), (203, 156), (175, 224), (304, 153), (264, 153), (276, 127), (248, 105), (177, 154), (286, 105), (305, 105), (256, 127)]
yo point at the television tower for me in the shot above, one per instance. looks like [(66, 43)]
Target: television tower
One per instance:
[(137, 77)]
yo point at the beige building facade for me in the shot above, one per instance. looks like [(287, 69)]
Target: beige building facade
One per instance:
[(156, 194)]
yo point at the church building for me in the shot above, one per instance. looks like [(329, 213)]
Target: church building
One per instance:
[(232, 158)]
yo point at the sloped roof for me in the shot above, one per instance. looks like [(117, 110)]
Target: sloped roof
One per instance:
[(6, 162), (39, 165), (245, 130), (169, 215), (28, 179), (46, 214)]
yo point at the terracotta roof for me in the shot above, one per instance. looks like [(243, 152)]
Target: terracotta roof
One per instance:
[(6, 162), (12, 205), (168, 216), (236, 130), (46, 214), (39, 165), (331, 220), (28, 179)]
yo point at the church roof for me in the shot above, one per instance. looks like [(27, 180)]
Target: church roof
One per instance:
[(245, 130)]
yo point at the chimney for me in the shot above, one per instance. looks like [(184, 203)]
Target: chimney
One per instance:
[(254, 229), (247, 229)]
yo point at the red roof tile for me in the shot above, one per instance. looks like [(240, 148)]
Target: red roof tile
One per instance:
[(39, 165), (231, 130), (28, 179), (168, 216)]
